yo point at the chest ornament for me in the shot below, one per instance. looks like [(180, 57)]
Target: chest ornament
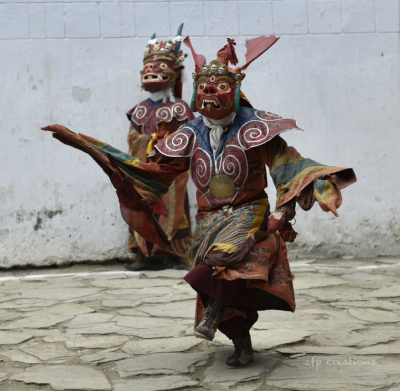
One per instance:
[(222, 187)]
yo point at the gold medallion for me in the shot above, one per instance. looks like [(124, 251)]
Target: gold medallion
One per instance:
[(222, 187)]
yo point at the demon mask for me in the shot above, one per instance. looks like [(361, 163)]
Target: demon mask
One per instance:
[(216, 90), (159, 71), (216, 86), (162, 63)]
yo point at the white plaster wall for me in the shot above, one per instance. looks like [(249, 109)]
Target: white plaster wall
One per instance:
[(335, 70)]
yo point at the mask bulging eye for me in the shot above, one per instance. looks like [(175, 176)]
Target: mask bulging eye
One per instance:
[(202, 86), (163, 66), (223, 86)]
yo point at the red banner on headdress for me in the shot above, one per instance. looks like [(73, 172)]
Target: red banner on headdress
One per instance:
[(256, 47), (199, 59)]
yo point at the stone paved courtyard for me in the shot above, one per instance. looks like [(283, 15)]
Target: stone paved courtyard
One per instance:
[(91, 327)]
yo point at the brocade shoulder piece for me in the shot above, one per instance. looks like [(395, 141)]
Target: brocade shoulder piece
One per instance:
[(149, 114), (256, 127), (178, 144)]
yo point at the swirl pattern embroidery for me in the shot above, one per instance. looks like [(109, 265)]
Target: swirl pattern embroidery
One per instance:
[(179, 143), (263, 128), (201, 167), (166, 113), (139, 112)]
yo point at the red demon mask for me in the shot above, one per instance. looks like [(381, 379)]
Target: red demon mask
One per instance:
[(216, 87), (159, 71), (216, 90), (162, 63)]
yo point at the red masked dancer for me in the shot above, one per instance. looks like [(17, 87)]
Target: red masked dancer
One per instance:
[(238, 249), (150, 121)]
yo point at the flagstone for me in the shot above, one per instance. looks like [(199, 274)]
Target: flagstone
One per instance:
[(49, 351), (373, 315), (20, 304), (133, 283), (310, 280), (13, 338), (102, 357), (20, 356), (369, 280), (105, 341), (335, 293), (268, 339), (36, 322), (61, 309), (132, 312), (316, 350), (8, 315), (310, 325), (169, 298), (137, 294), (55, 294), (121, 303), (381, 349), (164, 383), (42, 332), (218, 374), (334, 373), (376, 304), (137, 322), (100, 328), (3, 376), (184, 287), (7, 298), (132, 324), (87, 319), (166, 345), (167, 273), (387, 291), (156, 332), (65, 377), (184, 309), (355, 339), (161, 364)]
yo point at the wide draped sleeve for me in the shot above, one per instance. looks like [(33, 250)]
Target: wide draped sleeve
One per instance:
[(138, 185), (304, 179)]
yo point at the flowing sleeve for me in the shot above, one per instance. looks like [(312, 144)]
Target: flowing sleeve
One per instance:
[(138, 185), (303, 179)]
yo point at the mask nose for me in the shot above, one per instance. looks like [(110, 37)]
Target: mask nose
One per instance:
[(210, 89), (148, 67)]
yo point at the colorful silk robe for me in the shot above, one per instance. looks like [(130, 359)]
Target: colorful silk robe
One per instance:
[(226, 230), (150, 122)]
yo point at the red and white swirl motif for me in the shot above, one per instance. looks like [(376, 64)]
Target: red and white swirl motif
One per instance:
[(201, 167), (259, 131), (267, 116), (233, 163), (139, 112), (148, 117), (179, 109), (166, 113), (255, 132), (179, 143)]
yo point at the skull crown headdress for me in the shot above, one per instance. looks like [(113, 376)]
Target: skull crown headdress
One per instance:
[(207, 75), (162, 66), (170, 48)]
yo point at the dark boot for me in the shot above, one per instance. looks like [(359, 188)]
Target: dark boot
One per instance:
[(243, 354), (208, 326), (140, 263)]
